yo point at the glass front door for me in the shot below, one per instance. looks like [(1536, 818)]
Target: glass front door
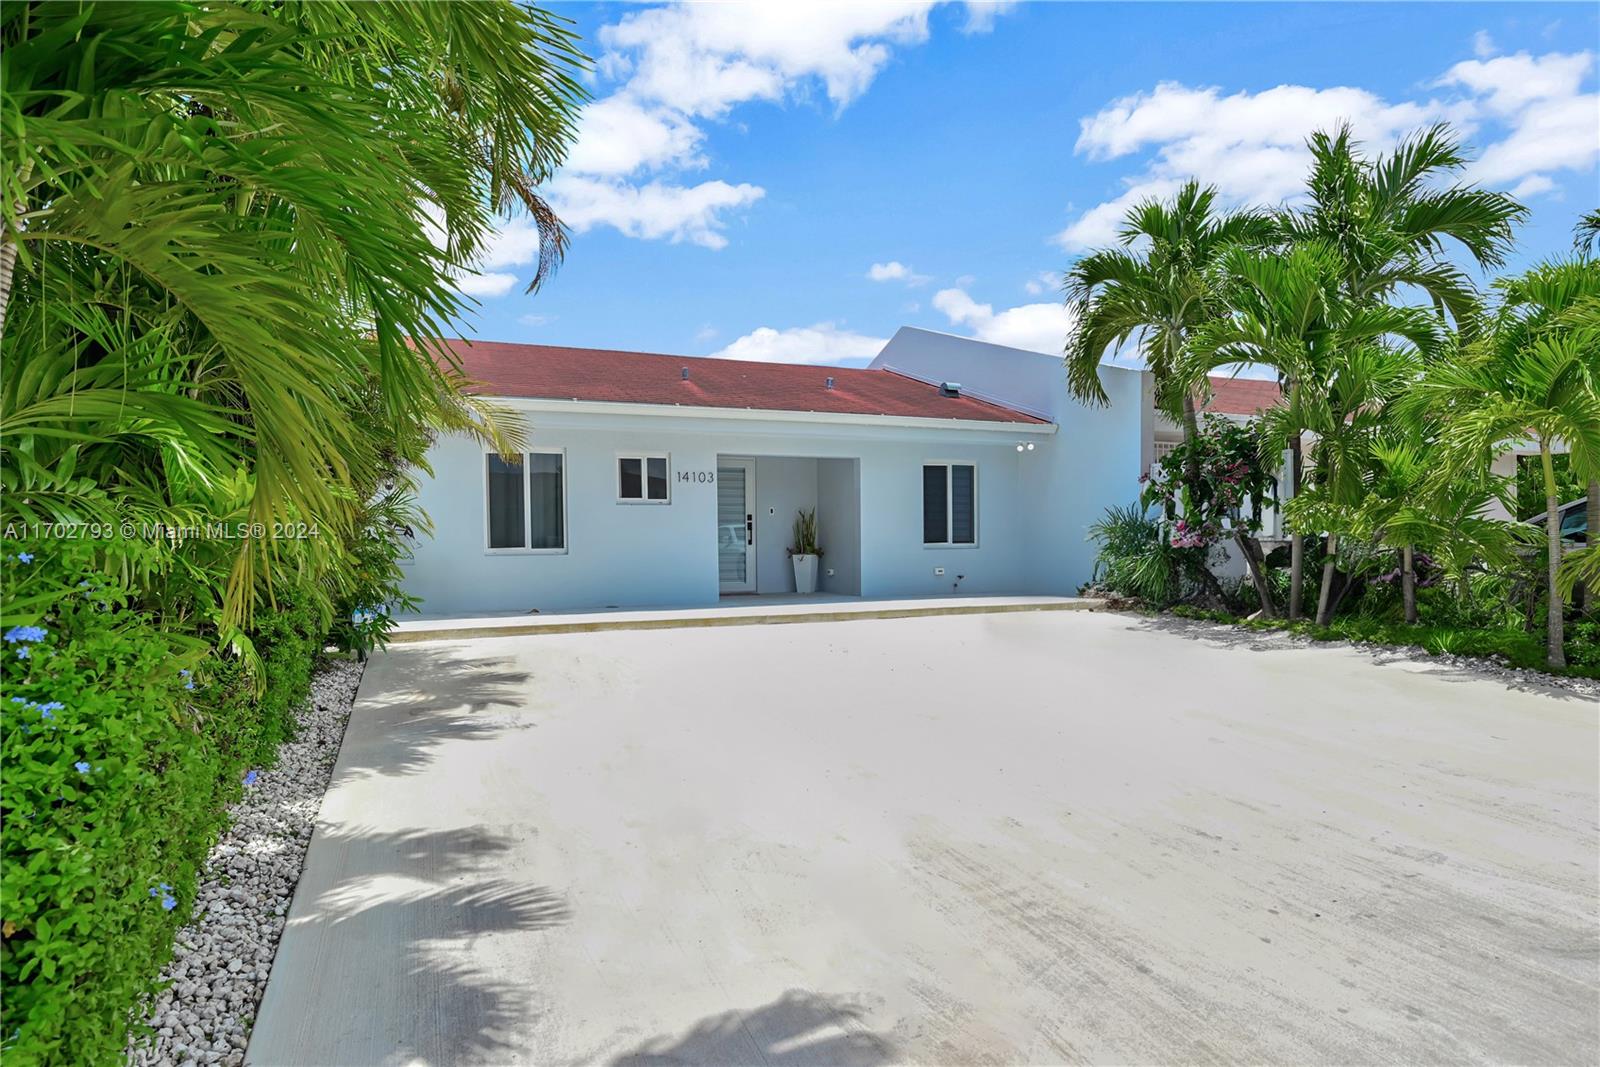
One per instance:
[(736, 527)]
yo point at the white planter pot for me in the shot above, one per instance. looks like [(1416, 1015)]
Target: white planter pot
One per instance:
[(805, 574)]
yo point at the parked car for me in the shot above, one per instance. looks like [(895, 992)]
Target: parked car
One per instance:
[(1574, 521)]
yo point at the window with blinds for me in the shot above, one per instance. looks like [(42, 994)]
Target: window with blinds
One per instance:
[(949, 504), (526, 502)]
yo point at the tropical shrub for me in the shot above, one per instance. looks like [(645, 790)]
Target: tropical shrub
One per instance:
[(1136, 557), (1213, 486), (230, 234), (122, 743)]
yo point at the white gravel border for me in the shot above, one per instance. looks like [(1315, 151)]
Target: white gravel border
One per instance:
[(222, 957)]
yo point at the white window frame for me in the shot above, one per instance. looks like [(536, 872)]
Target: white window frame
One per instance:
[(950, 504), (527, 505), (644, 459)]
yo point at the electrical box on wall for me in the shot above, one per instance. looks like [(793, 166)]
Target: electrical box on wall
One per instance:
[(938, 572)]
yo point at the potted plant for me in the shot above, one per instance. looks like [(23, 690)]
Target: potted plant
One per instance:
[(805, 551)]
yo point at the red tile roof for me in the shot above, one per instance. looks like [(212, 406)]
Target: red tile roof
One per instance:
[(1242, 396), (596, 374)]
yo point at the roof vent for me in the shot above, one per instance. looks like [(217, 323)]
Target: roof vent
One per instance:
[(949, 388), (828, 384), (686, 374)]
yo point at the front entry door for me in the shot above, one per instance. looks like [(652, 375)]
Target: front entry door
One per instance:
[(736, 525)]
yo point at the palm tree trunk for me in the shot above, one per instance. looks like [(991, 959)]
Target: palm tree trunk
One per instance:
[(8, 265), (1555, 652), (1591, 596), (1297, 543), (1191, 432), (1325, 598), (1252, 559), (1408, 583)]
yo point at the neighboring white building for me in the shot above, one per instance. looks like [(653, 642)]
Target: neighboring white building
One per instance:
[(948, 465)]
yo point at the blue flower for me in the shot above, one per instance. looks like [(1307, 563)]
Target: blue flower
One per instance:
[(22, 653), (18, 700), (81, 767), (168, 902), (45, 712), (250, 779), (188, 678), (25, 633), (54, 705), (24, 557)]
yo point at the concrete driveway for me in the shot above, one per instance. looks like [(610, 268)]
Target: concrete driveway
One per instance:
[(1051, 838)]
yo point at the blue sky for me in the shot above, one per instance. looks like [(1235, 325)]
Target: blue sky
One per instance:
[(795, 182)]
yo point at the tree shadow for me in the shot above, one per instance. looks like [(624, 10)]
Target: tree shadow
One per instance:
[(374, 925), (417, 699), (798, 1028), (1447, 668)]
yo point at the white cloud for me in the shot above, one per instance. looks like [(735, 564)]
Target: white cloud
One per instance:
[(1046, 281), (702, 59), (1528, 112), (1532, 185), (981, 14), (536, 320), (1036, 327), (1510, 83), (823, 343), (675, 68), (706, 333), (1554, 125), (895, 271), (618, 135), (485, 285), (1483, 45), (654, 211)]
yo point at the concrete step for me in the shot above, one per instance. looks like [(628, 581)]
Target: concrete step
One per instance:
[(766, 613)]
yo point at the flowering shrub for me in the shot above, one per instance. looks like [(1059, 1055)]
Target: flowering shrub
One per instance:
[(1233, 484), (121, 746)]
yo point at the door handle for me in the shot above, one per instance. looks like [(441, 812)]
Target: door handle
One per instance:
[(749, 529)]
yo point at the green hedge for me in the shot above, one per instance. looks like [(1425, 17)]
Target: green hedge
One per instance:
[(121, 746)]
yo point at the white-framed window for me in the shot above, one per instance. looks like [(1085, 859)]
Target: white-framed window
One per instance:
[(644, 478), (950, 504), (525, 501)]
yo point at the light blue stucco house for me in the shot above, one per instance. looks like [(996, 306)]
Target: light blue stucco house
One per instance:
[(948, 466)]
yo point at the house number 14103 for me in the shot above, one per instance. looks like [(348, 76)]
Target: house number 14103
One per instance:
[(704, 477)]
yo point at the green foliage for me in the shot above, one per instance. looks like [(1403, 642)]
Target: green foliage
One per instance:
[(236, 228), (805, 534), (121, 742), (1232, 483), (1529, 493), (1136, 557)]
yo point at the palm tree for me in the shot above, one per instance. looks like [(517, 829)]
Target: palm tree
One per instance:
[(1534, 375), (1586, 234), (1342, 360), (1390, 220), (1158, 288), (217, 238)]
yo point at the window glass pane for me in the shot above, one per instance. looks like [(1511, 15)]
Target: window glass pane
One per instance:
[(544, 496), (632, 480), (933, 505), (963, 505), (656, 468), (506, 510)]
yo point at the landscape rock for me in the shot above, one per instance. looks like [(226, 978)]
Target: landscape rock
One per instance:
[(222, 959)]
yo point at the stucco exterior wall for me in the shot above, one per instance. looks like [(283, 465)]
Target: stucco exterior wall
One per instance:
[(839, 525), (651, 555), (1093, 462)]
